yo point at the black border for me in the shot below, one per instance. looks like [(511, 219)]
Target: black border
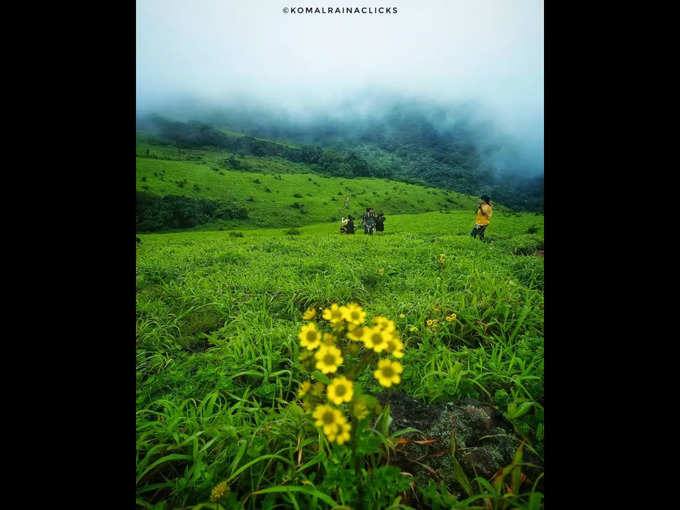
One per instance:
[(78, 310)]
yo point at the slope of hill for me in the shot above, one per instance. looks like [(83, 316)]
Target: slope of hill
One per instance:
[(220, 189), (403, 144)]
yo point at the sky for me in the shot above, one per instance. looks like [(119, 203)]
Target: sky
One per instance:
[(489, 52)]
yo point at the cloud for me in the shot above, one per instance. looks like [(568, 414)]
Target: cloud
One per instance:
[(487, 52)]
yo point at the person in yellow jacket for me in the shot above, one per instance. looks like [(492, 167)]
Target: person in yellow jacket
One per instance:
[(484, 212)]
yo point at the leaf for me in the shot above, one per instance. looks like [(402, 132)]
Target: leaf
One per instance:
[(461, 477), (239, 454), (521, 410), (263, 457), (321, 377), (162, 460), (517, 470), (535, 501), (287, 489)]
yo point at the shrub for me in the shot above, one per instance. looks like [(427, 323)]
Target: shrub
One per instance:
[(235, 234), (525, 244), (293, 232), (155, 213), (297, 195)]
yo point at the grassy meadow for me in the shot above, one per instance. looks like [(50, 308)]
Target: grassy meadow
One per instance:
[(278, 192), (218, 354)]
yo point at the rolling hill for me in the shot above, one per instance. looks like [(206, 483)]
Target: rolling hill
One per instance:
[(223, 189)]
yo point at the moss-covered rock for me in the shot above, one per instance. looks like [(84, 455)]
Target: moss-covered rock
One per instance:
[(484, 439)]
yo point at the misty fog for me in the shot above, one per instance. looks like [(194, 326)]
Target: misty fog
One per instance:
[(477, 63)]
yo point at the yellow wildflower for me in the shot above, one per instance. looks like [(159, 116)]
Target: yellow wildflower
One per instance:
[(340, 434), (340, 390), (317, 388), (309, 314), (395, 347), (451, 317), (329, 339), (388, 372), (381, 271), (354, 314), (326, 416), (353, 348), (384, 323), (328, 359), (356, 333), (360, 410), (218, 491), (304, 389), (413, 329), (402, 315), (334, 314), (309, 336), (376, 339)]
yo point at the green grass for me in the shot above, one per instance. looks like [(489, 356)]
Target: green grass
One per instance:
[(277, 192), (218, 317)]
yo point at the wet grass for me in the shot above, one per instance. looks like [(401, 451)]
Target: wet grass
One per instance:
[(217, 349)]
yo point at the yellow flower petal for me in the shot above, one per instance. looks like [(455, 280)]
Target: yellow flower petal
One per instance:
[(340, 390), (329, 358), (309, 336)]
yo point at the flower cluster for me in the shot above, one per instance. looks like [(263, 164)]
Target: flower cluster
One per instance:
[(218, 491), (434, 324), (345, 342)]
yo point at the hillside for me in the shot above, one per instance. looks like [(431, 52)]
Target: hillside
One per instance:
[(450, 148), (219, 361), (222, 189)]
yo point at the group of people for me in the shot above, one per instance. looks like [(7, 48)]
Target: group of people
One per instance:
[(373, 223), (369, 221)]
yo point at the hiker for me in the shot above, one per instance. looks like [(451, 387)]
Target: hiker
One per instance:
[(343, 225), (484, 212), (349, 226), (368, 221), (380, 222)]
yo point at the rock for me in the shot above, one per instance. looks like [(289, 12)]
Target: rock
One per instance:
[(485, 441)]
